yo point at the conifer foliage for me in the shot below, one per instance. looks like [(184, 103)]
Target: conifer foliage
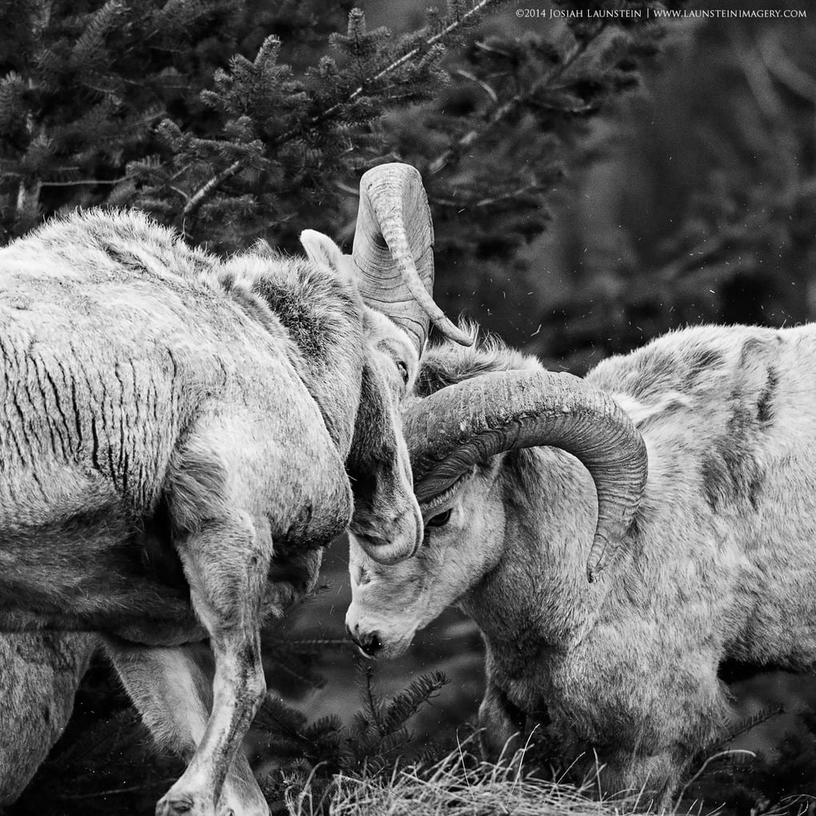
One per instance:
[(239, 120), (291, 146), (311, 755), (83, 86), (106, 761), (711, 200), (495, 145)]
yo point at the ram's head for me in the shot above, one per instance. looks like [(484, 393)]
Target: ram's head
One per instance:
[(459, 437)]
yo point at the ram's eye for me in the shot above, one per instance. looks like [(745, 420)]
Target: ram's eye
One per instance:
[(441, 520), (403, 370)]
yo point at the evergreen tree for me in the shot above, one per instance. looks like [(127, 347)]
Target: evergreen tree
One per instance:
[(83, 86), (138, 104), (710, 209), (243, 120), (495, 145), (292, 146)]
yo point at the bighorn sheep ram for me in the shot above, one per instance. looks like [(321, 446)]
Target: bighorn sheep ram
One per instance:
[(180, 436), (525, 477)]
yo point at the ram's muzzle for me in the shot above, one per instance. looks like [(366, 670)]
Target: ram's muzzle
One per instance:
[(378, 626)]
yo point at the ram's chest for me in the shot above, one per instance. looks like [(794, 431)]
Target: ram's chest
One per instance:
[(319, 513), (290, 467), (523, 667)]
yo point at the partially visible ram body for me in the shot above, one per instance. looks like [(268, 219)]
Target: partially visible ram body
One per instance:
[(39, 676), (178, 440), (717, 562), (142, 389)]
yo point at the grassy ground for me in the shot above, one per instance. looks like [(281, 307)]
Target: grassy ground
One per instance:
[(455, 786)]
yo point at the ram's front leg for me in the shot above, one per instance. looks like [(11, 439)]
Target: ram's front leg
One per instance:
[(226, 565), (501, 725)]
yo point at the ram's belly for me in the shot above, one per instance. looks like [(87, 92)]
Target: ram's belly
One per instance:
[(768, 597), (83, 562)]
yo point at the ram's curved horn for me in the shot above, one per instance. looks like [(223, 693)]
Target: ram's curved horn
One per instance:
[(458, 426), (393, 252)]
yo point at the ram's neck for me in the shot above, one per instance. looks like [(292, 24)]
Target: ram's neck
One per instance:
[(321, 324), (538, 593)]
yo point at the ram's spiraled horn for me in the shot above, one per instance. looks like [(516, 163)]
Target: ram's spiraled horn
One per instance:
[(458, 426), (393, 252)]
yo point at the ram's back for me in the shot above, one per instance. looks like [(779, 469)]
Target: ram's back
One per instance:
[(729, 516), (112, 334)]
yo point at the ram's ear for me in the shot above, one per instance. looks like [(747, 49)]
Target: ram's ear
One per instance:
[(320, 249)]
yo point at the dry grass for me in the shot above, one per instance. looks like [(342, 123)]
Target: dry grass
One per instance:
[(456, 786)]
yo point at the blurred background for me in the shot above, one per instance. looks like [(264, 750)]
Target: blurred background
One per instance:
[(593, 183)]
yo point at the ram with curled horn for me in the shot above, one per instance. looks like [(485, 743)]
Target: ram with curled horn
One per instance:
[(679, 477), (180, 436)]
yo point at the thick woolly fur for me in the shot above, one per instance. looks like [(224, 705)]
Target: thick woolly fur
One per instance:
[(39, 676), (171, 423), (719, 563)]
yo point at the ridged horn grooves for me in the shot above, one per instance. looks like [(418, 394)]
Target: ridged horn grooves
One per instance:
[(458, 426), (393, 252)]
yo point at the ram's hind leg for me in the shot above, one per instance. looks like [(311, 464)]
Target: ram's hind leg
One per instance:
[(226, 564), (172, 692)]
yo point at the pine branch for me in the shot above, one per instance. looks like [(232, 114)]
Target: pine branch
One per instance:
[(742, 727), (732, 752), (317, 643), (485, 86), (490, 201), (118, 791), (786, 72), (77, 182), (731, 236), (275, 716), (369, 698), (407, 57), (406, 703), (505, 110), (12, 90), (208, 189)]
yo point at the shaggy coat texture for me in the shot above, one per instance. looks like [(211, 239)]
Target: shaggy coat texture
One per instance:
[(173, 439), (719, 563), (39, 676)]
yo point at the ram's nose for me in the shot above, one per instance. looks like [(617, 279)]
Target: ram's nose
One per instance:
[(369, 643)]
